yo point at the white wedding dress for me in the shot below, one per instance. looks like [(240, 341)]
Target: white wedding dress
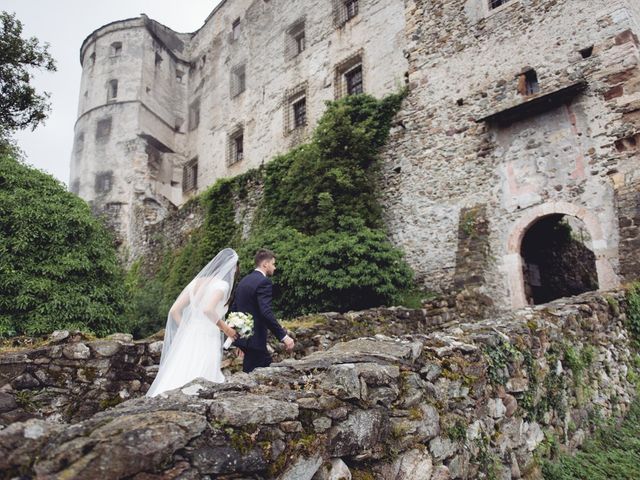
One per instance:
[(193, 343)]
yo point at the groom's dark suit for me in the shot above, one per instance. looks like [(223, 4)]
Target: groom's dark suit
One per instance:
[(253, 295)]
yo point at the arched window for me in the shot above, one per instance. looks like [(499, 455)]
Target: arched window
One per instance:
[(528, 83), (116, 49)]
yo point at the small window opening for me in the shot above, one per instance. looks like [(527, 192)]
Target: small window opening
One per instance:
[(112, 93), (190, 176), (238, 147), (497, 3), (235, 29), (587, 52), (354, 80), (352, 8), (528, 83), (116, 49), (300, 113)]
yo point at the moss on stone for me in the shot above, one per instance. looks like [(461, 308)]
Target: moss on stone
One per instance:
[(110, 402)]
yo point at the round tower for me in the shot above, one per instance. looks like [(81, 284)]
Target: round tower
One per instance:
[(129, 118)]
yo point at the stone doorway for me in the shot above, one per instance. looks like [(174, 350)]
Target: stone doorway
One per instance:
[(557, 259), (512, 261)]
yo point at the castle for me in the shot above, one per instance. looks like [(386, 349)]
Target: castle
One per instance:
[(512, 167)]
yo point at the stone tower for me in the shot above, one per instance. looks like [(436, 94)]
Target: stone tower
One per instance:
[(163, 115)]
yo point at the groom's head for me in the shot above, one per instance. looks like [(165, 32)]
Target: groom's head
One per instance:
[(266, 261)]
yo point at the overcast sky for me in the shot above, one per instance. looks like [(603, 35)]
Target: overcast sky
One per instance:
[(65, 24)]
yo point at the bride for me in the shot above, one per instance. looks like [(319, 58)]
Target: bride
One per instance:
[(192, 339)]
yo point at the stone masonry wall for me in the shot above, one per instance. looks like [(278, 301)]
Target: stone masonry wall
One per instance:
[(467, 137), (184, 98), (477, 400)]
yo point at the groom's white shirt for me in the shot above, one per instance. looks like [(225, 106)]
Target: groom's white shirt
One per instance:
[(258, 270)]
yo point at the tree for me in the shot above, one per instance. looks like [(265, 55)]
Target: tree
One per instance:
[(58, 263), (20, 105)]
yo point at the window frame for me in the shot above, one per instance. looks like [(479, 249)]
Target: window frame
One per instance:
[(190, 176)]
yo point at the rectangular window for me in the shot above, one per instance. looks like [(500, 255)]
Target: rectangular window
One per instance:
[(528, 83), (300, 113), (112, 90), (238, 80), (194, 115), (235, 29), (294, 108), (235, 151), (344, 10), (295, 41), (352, 8), (103, 129), (238, 148), (104, 182), (353, 80), (349, 78), (300, 42), (496, 3), (190, 176)]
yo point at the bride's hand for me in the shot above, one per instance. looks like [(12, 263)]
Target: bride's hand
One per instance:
[(230, 332)]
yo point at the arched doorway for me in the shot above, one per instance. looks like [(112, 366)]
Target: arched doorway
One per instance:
[(512, 261), (557, 259)]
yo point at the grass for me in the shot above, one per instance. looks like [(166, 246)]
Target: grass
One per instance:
[(612, 453)]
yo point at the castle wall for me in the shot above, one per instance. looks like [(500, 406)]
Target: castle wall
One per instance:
[(271, 74), (457, 148), (189, 108), (469, 140)]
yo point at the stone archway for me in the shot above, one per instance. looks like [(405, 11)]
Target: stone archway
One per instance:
[(558, 259), (513, 262)]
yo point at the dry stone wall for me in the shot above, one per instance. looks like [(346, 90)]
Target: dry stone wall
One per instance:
[(475, 400)]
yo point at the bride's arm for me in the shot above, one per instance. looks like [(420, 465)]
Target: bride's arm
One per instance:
[(210, 311), (176, 309)]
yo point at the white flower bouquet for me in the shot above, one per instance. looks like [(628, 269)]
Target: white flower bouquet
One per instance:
[(241, 322)]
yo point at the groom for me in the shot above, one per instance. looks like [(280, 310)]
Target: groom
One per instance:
[(253, 295)]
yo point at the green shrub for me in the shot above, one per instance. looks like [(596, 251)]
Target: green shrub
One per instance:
[(58, 265), (319, 213), (332, 270), (633, 314)]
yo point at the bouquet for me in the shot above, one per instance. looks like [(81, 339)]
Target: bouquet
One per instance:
[(241, 322)]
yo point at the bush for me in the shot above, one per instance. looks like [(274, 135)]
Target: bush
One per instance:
[(58, 264), (319, 214), (331, 270)]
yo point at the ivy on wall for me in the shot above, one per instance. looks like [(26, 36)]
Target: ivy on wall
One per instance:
[(319, 213)]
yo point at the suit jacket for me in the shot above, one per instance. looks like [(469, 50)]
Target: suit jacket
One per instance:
[(254, 295)]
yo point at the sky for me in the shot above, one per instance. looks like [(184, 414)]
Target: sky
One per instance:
[(64, 24)]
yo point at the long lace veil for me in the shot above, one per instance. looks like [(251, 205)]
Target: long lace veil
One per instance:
[(215, 280)]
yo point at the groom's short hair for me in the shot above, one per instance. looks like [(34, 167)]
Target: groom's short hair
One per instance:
[(262, 255)]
